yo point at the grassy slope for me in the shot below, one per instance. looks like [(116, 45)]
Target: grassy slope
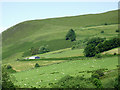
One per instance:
[(47, 74), (51, 32)]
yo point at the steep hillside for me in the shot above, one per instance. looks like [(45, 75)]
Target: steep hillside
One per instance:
[(51, 32)]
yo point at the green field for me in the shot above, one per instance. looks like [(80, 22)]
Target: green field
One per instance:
[(63, 53), (48, 74)]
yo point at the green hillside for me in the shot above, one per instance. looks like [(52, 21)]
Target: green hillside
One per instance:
[(65, 62), (51, 32)]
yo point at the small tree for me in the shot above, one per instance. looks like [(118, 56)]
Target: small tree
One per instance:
[(43, 49), (34, 51), (90, 49), (97, 83), (117, 83), (102, 31), (71, 35), (117, 30), (6, 79), (37, 65), (105, 24), (9, 67)]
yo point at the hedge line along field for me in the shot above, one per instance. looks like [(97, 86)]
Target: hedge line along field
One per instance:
[(42, 76)]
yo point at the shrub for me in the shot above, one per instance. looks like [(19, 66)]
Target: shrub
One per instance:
[(6, 79), (97, 83), (99, 72), (117, 83), (95, 75), (102, 31), (72, 82), (34, 51), (37, 65), (115, 54), (9, 67), (98, 56), (117, 30), (105, 24), (43, 49)]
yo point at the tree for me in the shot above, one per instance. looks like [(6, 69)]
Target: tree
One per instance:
[(117, 30), (97, 83), (34, 51), (37, 65), (43, 49), (6, 79), (102, 31), (71, 35), (90, 49), (117, 83)]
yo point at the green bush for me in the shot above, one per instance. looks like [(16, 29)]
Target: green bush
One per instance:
[(72, 82), (117, 30), (43, 49), (100, 72), (117, 83), (102, 31), (115, 54), (6, 79), (105, 24), (97, 83), (9, 67), (95, 75), (98, 56), (37, 65)]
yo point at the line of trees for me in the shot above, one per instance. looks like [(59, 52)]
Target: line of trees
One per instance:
[(98, 45), (42, 49)]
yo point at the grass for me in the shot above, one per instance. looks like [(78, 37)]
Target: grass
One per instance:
[(51, 32), (112, 51), (62, 53), (44, 75), (61, 60)]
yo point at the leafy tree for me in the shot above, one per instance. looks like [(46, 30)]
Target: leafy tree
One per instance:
[(6, 79), (90, 49), (37, 65), (34, 51), (43, 49), (117, 83), (97, 83), (71, 35), (108, 44), (105, 24), (102, 31), (9, 67), (117, 30)]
